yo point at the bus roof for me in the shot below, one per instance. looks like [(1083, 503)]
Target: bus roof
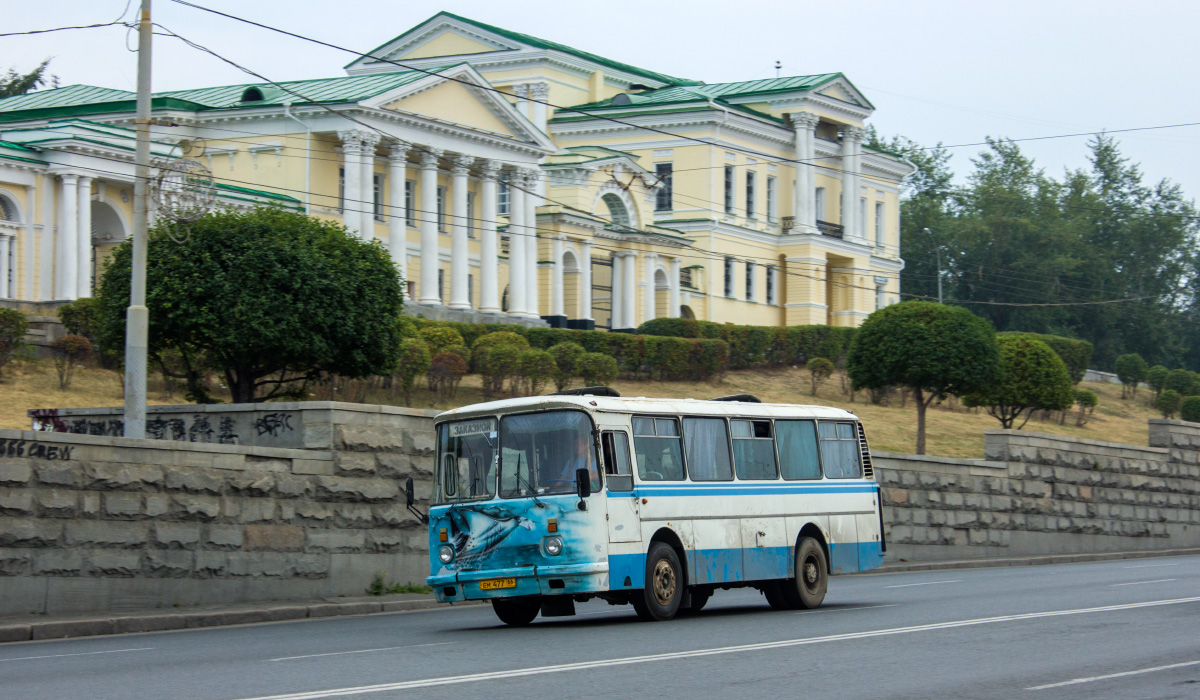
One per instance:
[(642, 404)]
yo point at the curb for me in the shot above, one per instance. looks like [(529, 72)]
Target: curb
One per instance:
[(162, 622), (1043, 560)]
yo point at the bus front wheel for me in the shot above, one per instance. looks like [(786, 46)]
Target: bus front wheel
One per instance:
[(660, 599), (516, 612), (808, 588)]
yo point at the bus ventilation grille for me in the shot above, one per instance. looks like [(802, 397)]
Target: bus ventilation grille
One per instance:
[(868, 471)]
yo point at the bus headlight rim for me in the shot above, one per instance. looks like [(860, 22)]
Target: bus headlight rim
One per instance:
[(446, 554), (554, 546)]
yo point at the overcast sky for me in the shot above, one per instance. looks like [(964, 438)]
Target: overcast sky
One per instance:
[(936, 70)]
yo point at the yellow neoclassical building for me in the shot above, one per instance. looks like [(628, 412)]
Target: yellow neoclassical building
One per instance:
[(511, 178)]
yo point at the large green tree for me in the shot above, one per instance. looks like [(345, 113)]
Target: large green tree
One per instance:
[(1032, 377), (932, 349), (271, 299), (13, 83)]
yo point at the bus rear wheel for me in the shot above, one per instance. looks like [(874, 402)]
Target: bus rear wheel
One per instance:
[(660, 599), (807, 589), (516, 612)]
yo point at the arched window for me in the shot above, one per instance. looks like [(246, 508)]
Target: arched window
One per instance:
[(616, 209), (8, 210)]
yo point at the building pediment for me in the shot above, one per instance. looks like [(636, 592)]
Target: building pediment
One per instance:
[(440, 36)]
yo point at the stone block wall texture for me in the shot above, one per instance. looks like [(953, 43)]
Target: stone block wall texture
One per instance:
[(94, 522), (1041, 494)]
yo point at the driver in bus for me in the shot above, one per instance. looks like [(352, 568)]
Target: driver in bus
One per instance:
[(581, 458)]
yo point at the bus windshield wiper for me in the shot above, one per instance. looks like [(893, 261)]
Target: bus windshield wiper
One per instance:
[(532, 492)]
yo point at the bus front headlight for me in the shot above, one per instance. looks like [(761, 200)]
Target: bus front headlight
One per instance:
[(554, 546), (446, 553)]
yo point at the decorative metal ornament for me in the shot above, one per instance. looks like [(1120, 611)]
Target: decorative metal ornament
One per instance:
[(182, 189)]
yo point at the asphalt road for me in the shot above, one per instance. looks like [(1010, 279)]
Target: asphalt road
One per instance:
[(1121, 629)]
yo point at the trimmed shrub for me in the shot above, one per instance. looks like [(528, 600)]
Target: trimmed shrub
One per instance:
[(1169, 402), (406, 327), (1180, 381), (759, 346), (536, 368), (1156, 377), (1086, 400), (68, 352), (564, 355), (440, 338), (1189, 410), (596, 369), (446, 372), (13, 327), (1032, 378), (81, 317), (1131, 370), (1077, 354), (414, 361), (821, 369)]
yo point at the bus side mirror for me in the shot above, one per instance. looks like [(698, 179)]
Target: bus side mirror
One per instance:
[(583, 486), (408, 492)]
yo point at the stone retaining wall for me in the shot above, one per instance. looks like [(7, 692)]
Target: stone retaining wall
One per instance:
[(1040, 494), (100, 523)]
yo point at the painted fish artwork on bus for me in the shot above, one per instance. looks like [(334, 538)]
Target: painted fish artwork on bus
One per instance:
[(476, 532)]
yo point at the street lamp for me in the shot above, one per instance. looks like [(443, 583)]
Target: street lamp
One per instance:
[(937, 249)]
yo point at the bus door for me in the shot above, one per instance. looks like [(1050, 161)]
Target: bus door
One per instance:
[(624, 521)]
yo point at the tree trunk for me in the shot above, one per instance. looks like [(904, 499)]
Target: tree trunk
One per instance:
[(241, 386), (919, 397)]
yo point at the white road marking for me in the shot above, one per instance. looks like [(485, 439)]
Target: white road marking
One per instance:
[(360, 651), (1113, 675), (82, 653), (927, 583), (1148, 566), (672, 656), (1138, 583), (861, 607)]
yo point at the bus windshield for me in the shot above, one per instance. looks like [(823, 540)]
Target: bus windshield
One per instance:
[(540, 452), (466, 460)]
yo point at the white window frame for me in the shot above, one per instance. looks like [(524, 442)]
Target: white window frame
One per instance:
[(772, 199), (820, 200), (751, 193), (441, 209), (750, 286), (879, 220), (410, 197), (729, 175), (503, 194), (470, 214), (666, 193), (729, 285)]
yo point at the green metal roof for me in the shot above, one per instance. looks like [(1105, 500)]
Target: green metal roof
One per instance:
[(719, 91), (553, 46), (324, 90), (258, 193), (63, 97)]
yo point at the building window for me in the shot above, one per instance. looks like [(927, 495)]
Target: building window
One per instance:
[(749, 281), (879, 223), (685, 278), (470, 215), (662, 200), (471, 291), (441, 209), (771, 272), (341, 189), (441, 279), (377, 193), (821, 204), (729, 189), (862, 217), (617, 213), (750, 177), (502, 194), (410, 215), (772, 199), (729, 277), (880, 299)]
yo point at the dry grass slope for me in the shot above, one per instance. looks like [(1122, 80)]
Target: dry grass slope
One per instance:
[(953, 430)]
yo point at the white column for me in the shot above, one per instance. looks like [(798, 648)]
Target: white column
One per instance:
[(522, 91), (428, 293), (83, 242), (804, 207), (556, 278), (489, 264), (648, 302), (532, 184), (618, 291), (459, 253), (518, 261), (5, 246), (585, 281), (368, 186), (539, 93), (629, 295), (352, 148), (851, 167), (673, 301), (397, 214), (66, 263)]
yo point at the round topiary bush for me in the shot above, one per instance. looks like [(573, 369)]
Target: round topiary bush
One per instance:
[(1189, 410), (1169, 402), (440, 338), (446, 370), (414, 361), (13, 327), (565, 355), (596, 369), (537, 368), (820, 369)]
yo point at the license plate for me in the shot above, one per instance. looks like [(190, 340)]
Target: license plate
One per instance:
[(497, 583)]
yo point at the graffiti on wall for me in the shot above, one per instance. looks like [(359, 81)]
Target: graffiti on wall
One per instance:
[(33, 448), (230, 429)]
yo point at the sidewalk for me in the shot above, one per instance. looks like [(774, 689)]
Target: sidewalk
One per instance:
[(22, 628)]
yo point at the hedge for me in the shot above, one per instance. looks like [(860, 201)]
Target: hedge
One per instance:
[(1076, 353), (653, 356), (760, 346)]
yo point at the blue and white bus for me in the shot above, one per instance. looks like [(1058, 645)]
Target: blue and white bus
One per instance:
[(544, 501)]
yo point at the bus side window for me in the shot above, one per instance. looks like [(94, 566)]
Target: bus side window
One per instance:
[(798, 457), (706, 442), (659, 454), (616, 453), (839, 450), (753, 450)]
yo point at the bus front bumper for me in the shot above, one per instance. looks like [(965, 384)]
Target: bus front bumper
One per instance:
[(564, 579)]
